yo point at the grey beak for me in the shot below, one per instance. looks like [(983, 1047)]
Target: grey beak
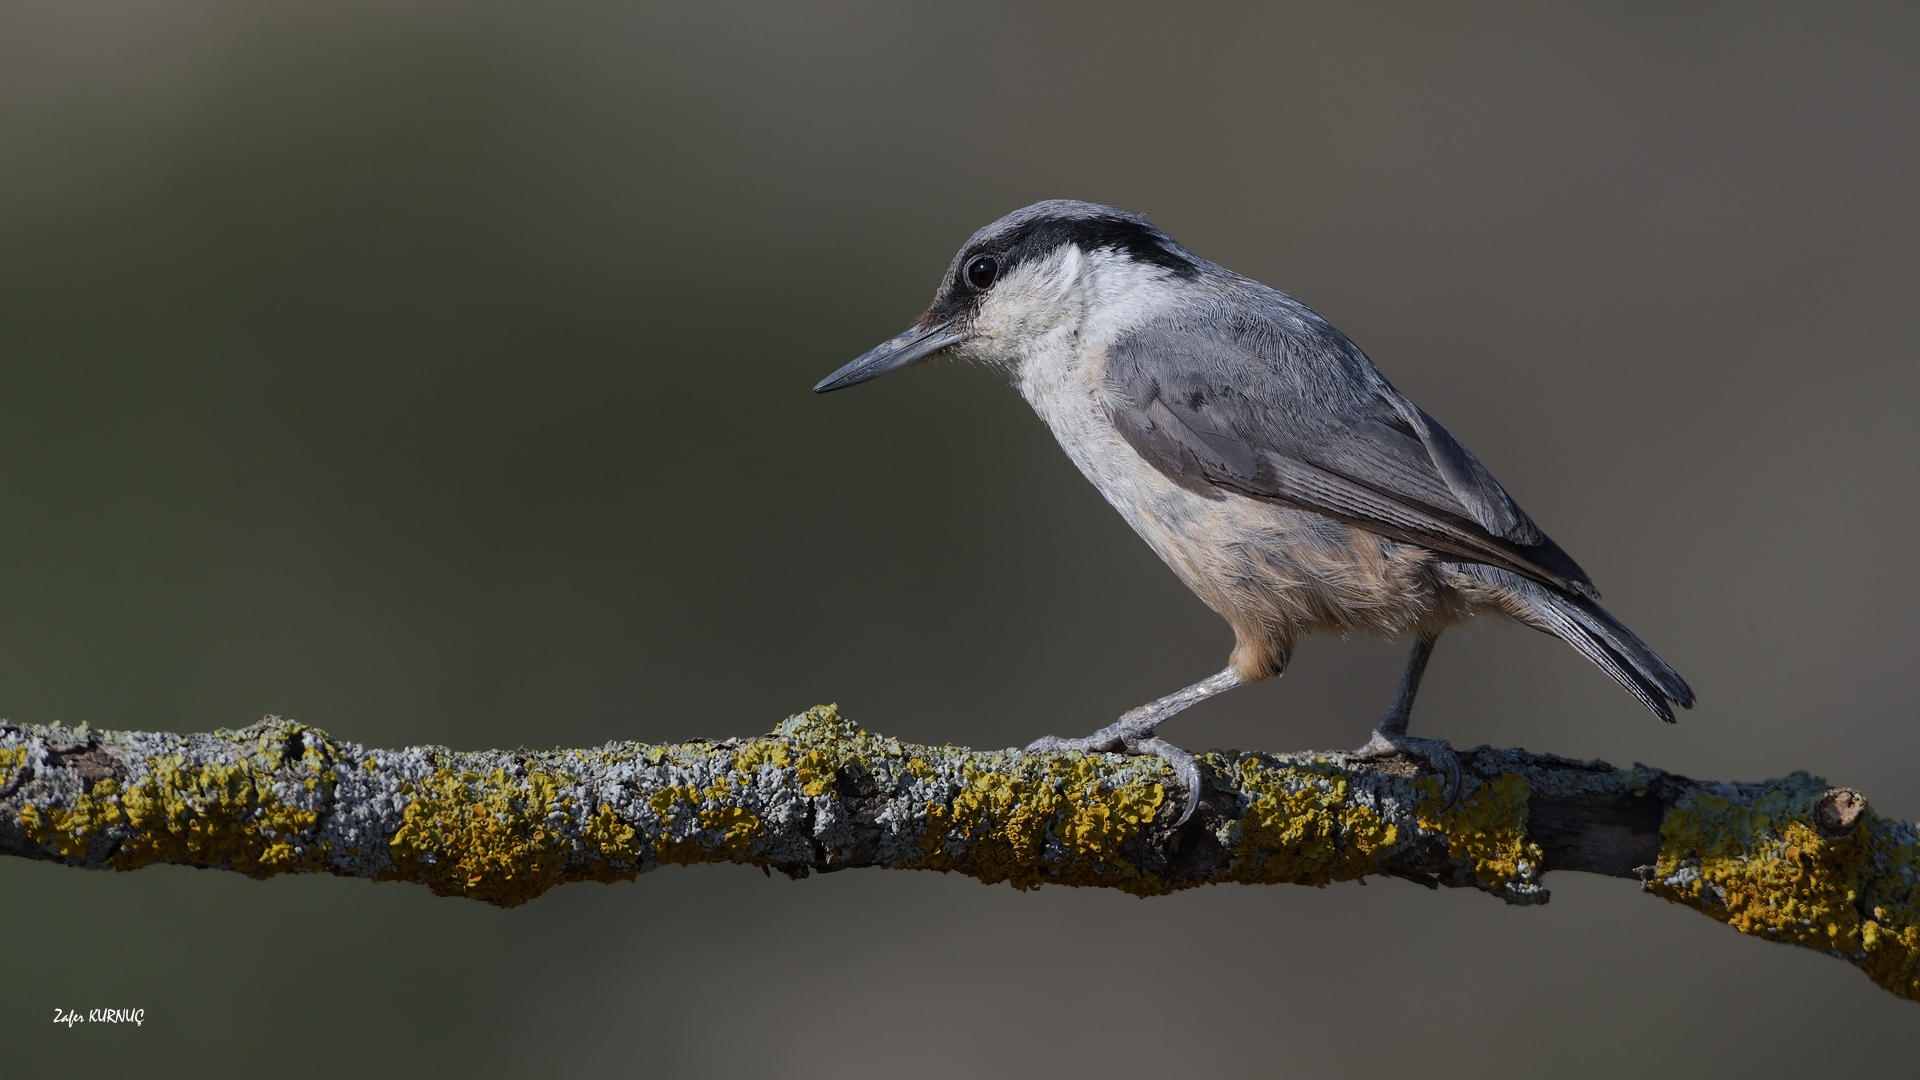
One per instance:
[(906, 350)]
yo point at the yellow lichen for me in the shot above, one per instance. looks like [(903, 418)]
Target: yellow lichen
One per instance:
[(1299, 827), (750, 757), (215, 814), (212, 814), (73, 831), (12, 760), (811, 769), (1751, 857), (729, 831), (482, 835), (1074, 808), (1487, 827), (1099, 819), (616, 845), (814, 773)]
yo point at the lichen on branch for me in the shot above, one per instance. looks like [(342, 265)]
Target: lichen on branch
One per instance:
[(1759, 858), (820, 794)]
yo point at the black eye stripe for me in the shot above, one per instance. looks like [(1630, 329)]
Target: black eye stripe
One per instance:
[(981, 270)]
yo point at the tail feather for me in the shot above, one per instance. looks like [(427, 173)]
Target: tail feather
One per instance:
[(1622, 640), (1596, 635)]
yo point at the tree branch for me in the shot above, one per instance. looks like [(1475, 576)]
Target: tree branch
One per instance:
[(1789, 860)]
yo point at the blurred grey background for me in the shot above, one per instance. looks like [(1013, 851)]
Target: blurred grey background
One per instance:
[(439, 373)]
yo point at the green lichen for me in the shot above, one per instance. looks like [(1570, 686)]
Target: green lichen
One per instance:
[(1752, 857)]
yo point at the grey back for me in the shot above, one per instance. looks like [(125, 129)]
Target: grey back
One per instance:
[(1245, 389)]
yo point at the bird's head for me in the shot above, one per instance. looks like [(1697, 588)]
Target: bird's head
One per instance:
[(1053, 268)]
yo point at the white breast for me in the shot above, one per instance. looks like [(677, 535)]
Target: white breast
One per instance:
[(1092, 300)]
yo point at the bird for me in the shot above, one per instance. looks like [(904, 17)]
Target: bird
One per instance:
[(1262, 456)]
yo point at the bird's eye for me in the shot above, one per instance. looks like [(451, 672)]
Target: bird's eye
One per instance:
[(982, 271)]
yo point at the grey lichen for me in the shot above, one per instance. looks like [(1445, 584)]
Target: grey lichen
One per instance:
[(819, 794)]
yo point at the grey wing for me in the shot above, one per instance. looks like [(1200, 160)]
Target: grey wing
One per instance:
[(1276, 404)]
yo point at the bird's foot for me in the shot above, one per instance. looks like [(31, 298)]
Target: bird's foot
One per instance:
[(1130, 735), (1438, 752)]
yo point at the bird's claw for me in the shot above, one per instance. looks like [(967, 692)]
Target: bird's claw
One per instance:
[(1183, 765), (1438, 752), (1126, 739)]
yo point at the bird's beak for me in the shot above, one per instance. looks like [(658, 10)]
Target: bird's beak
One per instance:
[(906, 350)]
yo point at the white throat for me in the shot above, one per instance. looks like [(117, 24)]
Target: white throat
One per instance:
[(1051, 324)]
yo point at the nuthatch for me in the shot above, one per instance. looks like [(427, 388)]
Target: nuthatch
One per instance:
[(1261, 455)]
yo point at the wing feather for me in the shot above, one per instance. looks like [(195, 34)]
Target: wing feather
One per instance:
[(1272, 402)]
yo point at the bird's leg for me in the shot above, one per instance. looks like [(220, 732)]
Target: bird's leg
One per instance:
[(1133, 733), (1390, 735)]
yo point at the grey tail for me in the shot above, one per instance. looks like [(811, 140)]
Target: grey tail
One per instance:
[(1598, 636)]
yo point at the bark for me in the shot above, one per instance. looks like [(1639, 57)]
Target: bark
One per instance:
[(1790, 860)]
